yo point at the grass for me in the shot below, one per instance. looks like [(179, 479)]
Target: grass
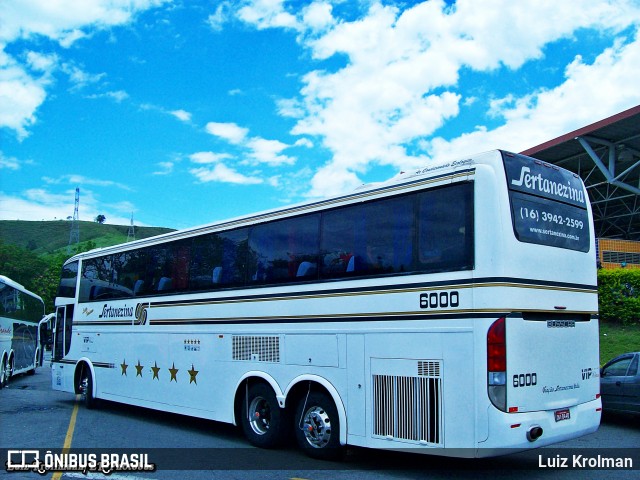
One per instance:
[(50, 237), (617, 339)]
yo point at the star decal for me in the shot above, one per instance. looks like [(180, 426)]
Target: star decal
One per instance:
[(124, 366), (174, 371), (155, 369), (192, 375), (139, 369)]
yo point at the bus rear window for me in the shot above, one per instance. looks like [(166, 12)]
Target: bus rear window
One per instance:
[(548, 204)]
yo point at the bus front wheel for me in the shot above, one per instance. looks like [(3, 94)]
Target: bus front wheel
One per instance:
[(86, 388), (5, 372), (317, 427), (262, 419)]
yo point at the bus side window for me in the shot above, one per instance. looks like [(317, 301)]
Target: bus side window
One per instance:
[(368, 239), (277, 250), (445, 229), (218, 260)]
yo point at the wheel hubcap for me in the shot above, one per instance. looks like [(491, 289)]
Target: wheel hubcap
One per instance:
[(317, 427), (84, 387), (259, 415)]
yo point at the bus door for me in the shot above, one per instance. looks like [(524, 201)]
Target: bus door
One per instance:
[(61, 343)]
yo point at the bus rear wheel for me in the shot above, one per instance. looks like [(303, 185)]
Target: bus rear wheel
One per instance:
[(262, 419), (317, 427)]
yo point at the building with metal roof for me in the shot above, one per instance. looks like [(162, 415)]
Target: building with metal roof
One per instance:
[(606, 154)]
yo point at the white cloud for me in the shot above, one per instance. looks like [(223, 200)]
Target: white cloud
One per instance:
[(268, 151), (304, 142), (20, 96), (317, 16), (217, 19), (291, 107), (165, 168), (267, 14), (182, 115), (10, 163), (42, 62), (257, 150), (41, 204), (81, 180), (117, 96), (221, 173), (227, 131), (204, 158), (35, 205), (63, 21), (215, 170), (400, 81), (80, 78), (67, 39), (589, 93)]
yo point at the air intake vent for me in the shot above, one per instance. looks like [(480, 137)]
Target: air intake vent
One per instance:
[(256, 349), (409, 408), (428, 368)]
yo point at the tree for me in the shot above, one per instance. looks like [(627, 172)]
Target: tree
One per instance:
[(101, 219)]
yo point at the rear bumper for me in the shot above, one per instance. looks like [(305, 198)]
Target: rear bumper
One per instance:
[(508, 432)]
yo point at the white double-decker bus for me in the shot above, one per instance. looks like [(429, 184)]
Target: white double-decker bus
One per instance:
[(450, 310), (20, 314)]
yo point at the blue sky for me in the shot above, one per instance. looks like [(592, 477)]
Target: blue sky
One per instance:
[(184, 112)]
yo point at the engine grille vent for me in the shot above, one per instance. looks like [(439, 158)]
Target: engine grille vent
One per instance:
[(409, 408), (256, 348)]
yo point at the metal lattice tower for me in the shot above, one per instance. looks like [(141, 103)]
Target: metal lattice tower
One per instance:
[(131, 233), (74, 236)]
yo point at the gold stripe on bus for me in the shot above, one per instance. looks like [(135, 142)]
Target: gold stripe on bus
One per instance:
[(383, 315), (368, 292)]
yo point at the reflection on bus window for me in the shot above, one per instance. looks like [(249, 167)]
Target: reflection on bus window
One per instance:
[(425, 232), (284, 251)]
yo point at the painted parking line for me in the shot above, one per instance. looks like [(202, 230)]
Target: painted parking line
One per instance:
[(69, 436)]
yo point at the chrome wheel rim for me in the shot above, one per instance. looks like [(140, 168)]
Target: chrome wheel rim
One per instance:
[(84, 387), (259, 415), (317, 427)]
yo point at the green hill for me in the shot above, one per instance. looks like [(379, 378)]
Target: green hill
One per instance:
[(50, 237)]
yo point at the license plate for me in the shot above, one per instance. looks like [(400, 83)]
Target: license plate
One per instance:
[(562, 415)]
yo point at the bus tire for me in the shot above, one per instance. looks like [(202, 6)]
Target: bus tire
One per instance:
[(32, 371), (3, 372), (262, 419), (317, 427), (86, 388)]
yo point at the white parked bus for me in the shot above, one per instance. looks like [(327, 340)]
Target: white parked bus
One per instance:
[(450, 310), (20, 314)]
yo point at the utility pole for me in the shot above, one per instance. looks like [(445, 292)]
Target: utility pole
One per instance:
[(131, 233), (74, 236)]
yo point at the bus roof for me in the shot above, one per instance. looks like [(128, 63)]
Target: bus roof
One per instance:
[(431, 170), (17, 286)]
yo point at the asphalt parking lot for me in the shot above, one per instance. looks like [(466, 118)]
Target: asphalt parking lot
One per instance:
[(35, 417)]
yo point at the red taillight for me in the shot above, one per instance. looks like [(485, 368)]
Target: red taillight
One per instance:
[(496, 347), (497, 364)]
